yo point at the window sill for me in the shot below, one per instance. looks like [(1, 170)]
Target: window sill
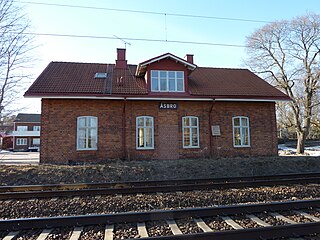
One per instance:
[(88, 149), (191, 147), (244, 146), (144, 148)]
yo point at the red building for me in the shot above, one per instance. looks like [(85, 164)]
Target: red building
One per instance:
[(26, 133), (163, 108)]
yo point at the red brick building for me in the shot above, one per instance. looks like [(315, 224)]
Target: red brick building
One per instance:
[(163, 108), (26, 133)]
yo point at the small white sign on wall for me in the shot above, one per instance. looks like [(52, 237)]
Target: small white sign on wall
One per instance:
[(215, 130)]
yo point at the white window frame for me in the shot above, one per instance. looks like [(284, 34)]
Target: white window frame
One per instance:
[(167, 81), (241, 129), (22, 128), (144, 127), (190, 132), (36, 128), (87, 129), (22, 141), (38, 139)]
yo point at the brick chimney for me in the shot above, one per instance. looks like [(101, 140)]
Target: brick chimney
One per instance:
[(189, 58), (121, 61)]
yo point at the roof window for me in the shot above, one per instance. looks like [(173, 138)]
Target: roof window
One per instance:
[(100, 75)]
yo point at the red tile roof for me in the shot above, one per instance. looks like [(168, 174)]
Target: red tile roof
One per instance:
[(231, 83), (77, 80)]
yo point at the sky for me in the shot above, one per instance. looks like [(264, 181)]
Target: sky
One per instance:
[(147, 28)]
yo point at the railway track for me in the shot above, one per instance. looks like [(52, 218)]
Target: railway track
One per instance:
[(90, 189), (249, 221)]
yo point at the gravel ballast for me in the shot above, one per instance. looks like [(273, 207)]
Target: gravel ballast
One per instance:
[(147, 202), (156, 170)]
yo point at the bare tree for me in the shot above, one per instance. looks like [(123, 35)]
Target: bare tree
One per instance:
[(15, 46), (286, 53)]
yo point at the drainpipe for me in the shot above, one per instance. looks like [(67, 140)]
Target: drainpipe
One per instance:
[(210, 124), (124, 131)]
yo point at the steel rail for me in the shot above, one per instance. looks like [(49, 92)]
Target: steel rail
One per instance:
[(129, 217), (154, 188), (77, 186)]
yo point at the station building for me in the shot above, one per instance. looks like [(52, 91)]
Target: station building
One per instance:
[(163, 108)]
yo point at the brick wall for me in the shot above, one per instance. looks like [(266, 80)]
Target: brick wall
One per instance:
[(117, 134)]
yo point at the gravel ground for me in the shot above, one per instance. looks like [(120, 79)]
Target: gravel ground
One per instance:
[(244, 222), (60, 233), (217, 224), (188, 226), (158, 228), (269, 219), (29, 235), (118, 203), (93, 233), (156, 170), (295, 217), (123, 231)]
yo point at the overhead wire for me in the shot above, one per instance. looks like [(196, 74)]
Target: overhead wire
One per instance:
[(133, 39), (147, 12), (140, 12)]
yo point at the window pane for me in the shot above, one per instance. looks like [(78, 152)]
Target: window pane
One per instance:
[(149, 121), (82, 122), (186, 121), (245, 134), (36, 141), (92, 122), (22, 128), (163, 74), (180, 85), (36, 128), (244, 122), (154, 84), (237, 140), (82, 138), (140, 121), (186, 136), (163, 84), (92, 138), (172, 74), (154, 74), (194, 121), (194, 137), (179, 74), (140, 137), (172, 85), (149, 137), (236, 122), (81, 143)]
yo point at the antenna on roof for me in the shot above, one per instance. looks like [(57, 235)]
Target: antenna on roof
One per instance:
[(125, 42)]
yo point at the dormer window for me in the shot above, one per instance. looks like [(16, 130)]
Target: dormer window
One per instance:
[(167, 81)]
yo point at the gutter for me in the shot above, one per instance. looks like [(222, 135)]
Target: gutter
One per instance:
[(161, 98)]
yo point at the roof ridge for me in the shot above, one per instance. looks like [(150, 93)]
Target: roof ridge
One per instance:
[(226, 68), (89, 63)]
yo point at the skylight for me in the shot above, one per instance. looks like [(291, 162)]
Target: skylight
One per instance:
[(100, 75)]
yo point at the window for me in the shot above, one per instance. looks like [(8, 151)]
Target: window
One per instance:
[(167, 81), (190, 132), (36, 128), (21, 141), (144, 132), (87, 133), (241, 133), (36, 141), (22, 128)]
